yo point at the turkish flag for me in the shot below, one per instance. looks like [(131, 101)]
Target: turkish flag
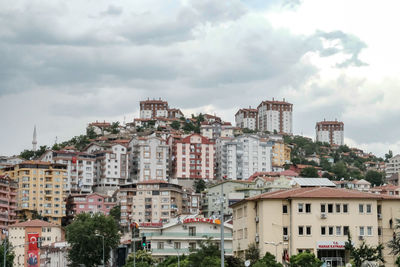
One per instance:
[(73, 160), (33, 239)]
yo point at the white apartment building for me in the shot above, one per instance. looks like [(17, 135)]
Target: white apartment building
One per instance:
[(331, 132), (149, 159), (314, 219), (246, 118), (215, 129), (110, 167), (275, 116), (80, 168), (393, 166), (239, 157), (153, 108)]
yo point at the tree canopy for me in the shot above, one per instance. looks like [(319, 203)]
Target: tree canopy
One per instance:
[(305, 259), (310, 172), (84, 235)]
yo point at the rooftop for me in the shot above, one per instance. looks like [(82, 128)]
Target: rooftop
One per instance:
[(313, 182), (34, 223)]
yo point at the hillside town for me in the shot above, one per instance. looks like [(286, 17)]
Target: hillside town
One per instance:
[(175, 183)]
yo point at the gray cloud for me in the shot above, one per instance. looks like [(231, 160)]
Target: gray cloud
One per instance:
[(112, 11)]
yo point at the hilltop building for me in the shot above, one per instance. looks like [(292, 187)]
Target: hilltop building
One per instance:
[(246, 118), (275, 116), (331, 132)]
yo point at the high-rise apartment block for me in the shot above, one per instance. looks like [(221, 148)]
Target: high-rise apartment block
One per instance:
[(150, 201), (149, 159), (331, 132), (192, 157), (153, 108), (275, 116), (246, 118), (8, 201), (40, 188), (239, 157), (80, 168)]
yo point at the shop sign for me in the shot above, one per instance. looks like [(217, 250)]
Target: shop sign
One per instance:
[(204, 220), (331, 244)]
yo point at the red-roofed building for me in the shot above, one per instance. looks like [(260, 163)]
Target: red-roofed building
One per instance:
[(275, 116), (246, 118), (331, 132), (315, 219)]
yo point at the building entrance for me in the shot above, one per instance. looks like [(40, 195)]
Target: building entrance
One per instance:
[(332, 257)]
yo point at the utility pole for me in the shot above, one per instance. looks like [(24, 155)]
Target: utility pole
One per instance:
[(222, 225)]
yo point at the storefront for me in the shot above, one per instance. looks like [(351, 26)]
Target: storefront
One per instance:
[(332, 253)]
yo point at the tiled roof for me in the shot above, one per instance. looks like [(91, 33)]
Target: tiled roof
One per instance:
[(34, 223), (153, 182), (320, 192)]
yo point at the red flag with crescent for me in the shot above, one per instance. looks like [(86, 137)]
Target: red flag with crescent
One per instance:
[(33, 238)]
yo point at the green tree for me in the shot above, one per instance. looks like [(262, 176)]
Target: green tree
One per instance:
[(394, 244), (27, 154), (199, 185), (252, 253), (325, 165), (374, 177), (268, 260), (340, 170), (114, 129), (389, 155), (232, 261), (90, 132), (143, 259), (207, 255), (309, 172), (115, 212), (84, 235), (176, 125), (10, 253), (305, 259), (364, 252)]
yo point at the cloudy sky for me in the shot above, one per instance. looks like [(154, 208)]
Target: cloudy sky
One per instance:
[(66, 63)]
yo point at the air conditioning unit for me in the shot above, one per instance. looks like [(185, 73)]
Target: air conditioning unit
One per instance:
[(257, 219), (360, 237), (323, 216), (285, 238), (379, 216), (257, 238)]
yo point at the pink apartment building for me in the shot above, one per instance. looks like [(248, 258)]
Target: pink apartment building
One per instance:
[(192, 157), (91, 203), (8, 201)]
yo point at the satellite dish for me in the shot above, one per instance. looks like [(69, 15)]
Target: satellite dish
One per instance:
[(247, 263)]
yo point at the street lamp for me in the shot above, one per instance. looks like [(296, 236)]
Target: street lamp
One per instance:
[(102, 236), (276, 247)]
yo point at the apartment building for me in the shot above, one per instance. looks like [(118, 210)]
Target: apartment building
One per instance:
[(191, 202), (40, 188), (275, 116), (8, 201), (153, 109), (149, 159), (246, 118), (216, 129), (192, 157), (89, 203), (184, 235), (314, 219), (175, 113), (150, 201), (80, 169), (331, 132), (280, 154), (110, 166), (392, 166), (239, 157), (100, 128), (23, 237)]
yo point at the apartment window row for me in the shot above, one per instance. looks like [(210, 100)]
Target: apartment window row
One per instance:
[(337, 208), (334, 230)]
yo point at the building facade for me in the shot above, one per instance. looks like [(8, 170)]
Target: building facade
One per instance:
[(216, 129), (150, 201), (89, 203), (280, 154), (21, 234), (149, 159), (8, 201), (239, 157), (316, 220), (246, 118), (80, 169), (153, 108), (40, 188), (275, 116), (331, 132), (192, 157), (392, 167)]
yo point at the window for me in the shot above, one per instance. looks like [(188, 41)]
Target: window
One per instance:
[(300, 207), (177, 245), (323, 230), (330, 229), (284, 209), (345, 208), (369, 208), (379, 231), (337, 208), (338, 230), (361, 230), (323, 208), (308, 208), (301, 230), (345, 230), (160, 245), (192, 231), (361, 208), (192, 245), (285, 231), (369, 230), (308, 230), (330, 208)]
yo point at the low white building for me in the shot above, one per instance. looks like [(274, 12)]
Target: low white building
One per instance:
[(185, 234)]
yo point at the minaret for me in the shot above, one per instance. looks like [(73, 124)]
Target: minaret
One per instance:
[(34, 141)]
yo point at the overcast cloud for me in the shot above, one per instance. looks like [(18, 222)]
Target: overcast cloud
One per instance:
[(67, 63)]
